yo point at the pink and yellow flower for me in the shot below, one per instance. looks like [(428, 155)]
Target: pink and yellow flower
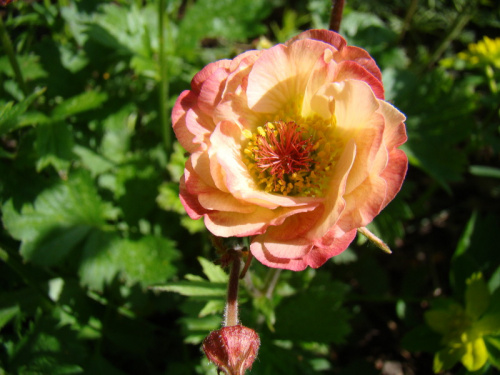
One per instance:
[(293, 146)]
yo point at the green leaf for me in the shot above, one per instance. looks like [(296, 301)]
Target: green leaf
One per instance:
[(423, 339), (202, 289), (79, 103), (448, 318), (58, 220), (177, 162), (440, 320), (314, 315), (48, 348), (118, 129), (168, 197), (489, 323), (212, 307), (229, 19), (484, 171), (476, 355), (97, 267), (147, 261), (11, 114), (465, 238), (7, 314), (29, 64), (493, 347), (54, 145), (137, 182), (95, 163), (447, 358), (214, 273), (477, 296), (196, 329)]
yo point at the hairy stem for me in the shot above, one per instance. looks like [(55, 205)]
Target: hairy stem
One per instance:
[(231, 315)]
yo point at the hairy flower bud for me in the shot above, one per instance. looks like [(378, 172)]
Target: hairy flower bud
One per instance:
[(233, 349)]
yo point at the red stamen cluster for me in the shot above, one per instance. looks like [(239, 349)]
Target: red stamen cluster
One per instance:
[(284, 150)]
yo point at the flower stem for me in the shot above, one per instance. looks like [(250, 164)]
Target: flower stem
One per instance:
[(231, 315), (9, 51), (163, 84), (336, 15)]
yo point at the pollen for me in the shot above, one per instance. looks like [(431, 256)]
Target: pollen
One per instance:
[(291, 155)]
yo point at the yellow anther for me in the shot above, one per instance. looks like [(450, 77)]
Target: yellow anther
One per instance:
[(247, 134)]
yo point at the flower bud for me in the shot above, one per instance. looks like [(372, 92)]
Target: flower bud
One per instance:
[(233, 349)]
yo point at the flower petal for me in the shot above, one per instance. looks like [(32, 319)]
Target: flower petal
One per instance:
[(281, 74)]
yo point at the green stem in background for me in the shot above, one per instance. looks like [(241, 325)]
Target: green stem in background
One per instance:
[(455, 29), (9, 51), (336, 14), (163, 84), (231, 313), (407, 21), (271, 281)]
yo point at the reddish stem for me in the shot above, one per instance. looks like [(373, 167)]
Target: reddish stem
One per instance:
[(231, 315), (336, 15)]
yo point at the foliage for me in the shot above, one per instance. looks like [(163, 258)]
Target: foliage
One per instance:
[(100, 267)]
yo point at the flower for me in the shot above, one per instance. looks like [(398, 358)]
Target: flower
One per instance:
[(233, 349), (468, 332), (293, 146), (484, 52)]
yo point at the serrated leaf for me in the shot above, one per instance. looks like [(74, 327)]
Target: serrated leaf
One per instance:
[(214, 272), (48, 348), (230, 19), (477, 296), (11, 114), (79, 103), (95, 163), (118, 129), (146, 261), (58, 220), (54, 145), (29, 64), (97, 267)]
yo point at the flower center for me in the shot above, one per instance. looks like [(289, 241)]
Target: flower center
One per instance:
[(290, 158)]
